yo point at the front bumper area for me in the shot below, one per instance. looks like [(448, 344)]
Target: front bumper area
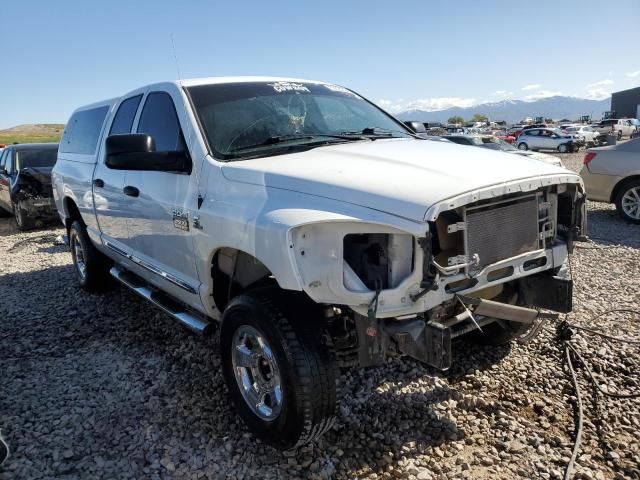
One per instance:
[(39, 208), (430, 340)]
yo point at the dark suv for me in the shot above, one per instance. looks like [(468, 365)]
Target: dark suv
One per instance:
[(25, 183)]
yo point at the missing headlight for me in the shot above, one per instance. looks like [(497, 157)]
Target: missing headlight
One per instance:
[(380, 260)]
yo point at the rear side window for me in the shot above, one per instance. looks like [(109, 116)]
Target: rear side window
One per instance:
[(123, 121), (160, 120), (82, 132)]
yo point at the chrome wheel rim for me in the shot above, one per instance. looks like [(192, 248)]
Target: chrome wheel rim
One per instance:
[(78, 255), (631, 203), (256, 373), (522, 146), (562, 148)]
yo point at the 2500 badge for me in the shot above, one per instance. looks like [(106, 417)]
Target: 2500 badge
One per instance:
[(181, 220)]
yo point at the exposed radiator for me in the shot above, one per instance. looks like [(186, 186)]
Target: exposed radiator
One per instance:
[(499, 231)]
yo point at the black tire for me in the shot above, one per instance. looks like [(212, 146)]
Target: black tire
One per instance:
[(23, 221), (620, 135), (4, 213), (94, 277), (501, 332), (626, 189), (523, 146), (307, 369)]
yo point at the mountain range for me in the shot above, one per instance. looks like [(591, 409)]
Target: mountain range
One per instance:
[(514, 111)]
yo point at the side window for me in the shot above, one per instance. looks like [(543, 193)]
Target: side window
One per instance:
[(160, 120), (533, 133), (9, 162), (3, 156), (82, 132), (123, 120)]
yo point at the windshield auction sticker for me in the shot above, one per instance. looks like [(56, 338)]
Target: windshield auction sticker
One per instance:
[(289, 87), (338, 89)]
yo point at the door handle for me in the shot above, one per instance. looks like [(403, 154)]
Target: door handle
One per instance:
[(98, 182), (131, 191)]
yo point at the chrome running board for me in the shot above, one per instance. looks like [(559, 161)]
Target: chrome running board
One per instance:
[(194, 321)]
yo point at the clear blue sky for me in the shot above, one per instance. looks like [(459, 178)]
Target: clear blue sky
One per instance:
[(60, 54)]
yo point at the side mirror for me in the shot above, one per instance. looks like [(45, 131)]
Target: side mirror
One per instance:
[(417, 127), (137, 151)]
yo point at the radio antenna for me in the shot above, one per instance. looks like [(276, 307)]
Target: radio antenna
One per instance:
[(175, 57), (195, 167)]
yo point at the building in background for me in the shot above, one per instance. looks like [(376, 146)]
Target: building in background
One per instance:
[(626, 104)]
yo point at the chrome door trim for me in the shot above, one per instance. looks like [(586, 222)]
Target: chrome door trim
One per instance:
[(152, 268)]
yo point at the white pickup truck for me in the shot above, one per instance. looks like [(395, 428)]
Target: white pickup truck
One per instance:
[(621, 127), (314, 229)]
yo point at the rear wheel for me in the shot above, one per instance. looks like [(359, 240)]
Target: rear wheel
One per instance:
[(23, 221), (91, 267), (563, 148), (628, 201), (620, 135), (280, 376), (523, 146)]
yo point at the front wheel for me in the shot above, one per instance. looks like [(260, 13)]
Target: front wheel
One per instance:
[(628, 201), (523, 146), (23, 221), (280, 376)]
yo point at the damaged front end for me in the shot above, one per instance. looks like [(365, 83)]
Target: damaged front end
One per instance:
[(33, 194), (493, 262)]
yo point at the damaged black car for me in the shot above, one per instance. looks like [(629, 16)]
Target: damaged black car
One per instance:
[(25, 183)]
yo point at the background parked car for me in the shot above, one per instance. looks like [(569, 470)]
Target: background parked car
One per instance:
[(25, 183), (588, 134), (504, 136), (493, 143), (546, 139), (612, 174)]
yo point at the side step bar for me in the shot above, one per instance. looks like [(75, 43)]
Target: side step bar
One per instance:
[(195, 322)]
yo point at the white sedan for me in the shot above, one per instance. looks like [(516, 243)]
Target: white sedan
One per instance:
[(588, 134)]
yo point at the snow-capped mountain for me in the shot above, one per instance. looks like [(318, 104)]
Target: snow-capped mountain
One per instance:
[(513, 111)]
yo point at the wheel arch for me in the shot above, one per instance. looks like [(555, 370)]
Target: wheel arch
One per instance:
[(71, 212), (620, 184), (234, 271)]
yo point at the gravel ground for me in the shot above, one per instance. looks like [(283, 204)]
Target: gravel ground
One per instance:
[(106, 386)]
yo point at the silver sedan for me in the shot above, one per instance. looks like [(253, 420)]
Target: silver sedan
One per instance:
[(612, 174)]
